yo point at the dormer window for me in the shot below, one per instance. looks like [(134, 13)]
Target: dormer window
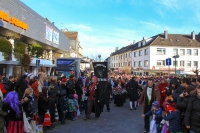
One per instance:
[(139, 44)]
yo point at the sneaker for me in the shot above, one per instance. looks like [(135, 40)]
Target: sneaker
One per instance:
[(145, 131)]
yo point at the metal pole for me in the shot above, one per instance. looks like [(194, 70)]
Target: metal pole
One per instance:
[(175, 65)]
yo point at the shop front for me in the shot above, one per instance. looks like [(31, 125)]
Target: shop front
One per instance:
[(18, 19)]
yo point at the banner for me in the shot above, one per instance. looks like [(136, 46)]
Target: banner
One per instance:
[(49, 33), (55, 37), (101, 71)]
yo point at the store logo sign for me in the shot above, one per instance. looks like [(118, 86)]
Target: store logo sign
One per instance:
[(12, 20)]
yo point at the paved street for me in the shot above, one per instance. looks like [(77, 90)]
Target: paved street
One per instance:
[(119, 120)]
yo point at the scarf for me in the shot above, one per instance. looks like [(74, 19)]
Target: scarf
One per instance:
[(149, 93)]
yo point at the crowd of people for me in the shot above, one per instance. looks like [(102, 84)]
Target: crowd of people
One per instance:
[(171, 101)]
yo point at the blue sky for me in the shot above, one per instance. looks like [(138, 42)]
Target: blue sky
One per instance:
[(104, 25)]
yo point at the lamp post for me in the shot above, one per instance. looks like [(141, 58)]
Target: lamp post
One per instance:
[(175, 56), (99, 56)]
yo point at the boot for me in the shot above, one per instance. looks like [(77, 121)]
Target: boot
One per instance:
[(131, 105)]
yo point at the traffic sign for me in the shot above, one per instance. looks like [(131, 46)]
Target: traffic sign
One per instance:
[(168, 61)]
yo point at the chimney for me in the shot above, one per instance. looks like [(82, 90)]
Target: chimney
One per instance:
[(193, 35), (165, 34), (116, 48)]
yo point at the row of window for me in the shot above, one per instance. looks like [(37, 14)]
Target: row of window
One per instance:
[(146, 51), (162, 51), (180, 63), (121, 64), (122, 56)]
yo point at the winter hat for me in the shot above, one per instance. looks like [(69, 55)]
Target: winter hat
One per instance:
[(71, 77), (64, 79), (189, 88), (75, 96), (155, 104)]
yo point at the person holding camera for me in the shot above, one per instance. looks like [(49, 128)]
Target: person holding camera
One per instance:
[(183, 99)]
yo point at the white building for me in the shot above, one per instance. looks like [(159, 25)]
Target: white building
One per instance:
[(149, 56)]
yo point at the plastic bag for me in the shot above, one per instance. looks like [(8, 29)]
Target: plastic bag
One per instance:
[(33, 126), (78, 112), (153, 128), (27, 126), (165, 128)]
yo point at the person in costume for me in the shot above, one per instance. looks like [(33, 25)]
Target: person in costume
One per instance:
[(132, 87), (149, 94), (94, 98), (13, 106)]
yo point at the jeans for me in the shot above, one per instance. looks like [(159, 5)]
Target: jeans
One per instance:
[(192, 131)]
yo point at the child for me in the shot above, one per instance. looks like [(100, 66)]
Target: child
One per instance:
[(174, 118), (76, 105), (71, 107), (156, 112), (63, 105), (28, 104)]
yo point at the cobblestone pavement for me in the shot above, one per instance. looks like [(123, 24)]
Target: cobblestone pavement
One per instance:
[(118, 120)]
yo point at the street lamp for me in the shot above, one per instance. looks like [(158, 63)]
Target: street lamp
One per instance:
[(175, 56), (99, 56)]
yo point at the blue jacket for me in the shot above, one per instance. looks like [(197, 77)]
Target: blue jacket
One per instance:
[(158, 115), (174, 119)]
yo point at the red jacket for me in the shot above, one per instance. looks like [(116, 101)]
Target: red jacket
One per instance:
[(3, 90), (162, 88)]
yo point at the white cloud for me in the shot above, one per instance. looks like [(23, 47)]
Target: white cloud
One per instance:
[(170, 4), (78, 27)]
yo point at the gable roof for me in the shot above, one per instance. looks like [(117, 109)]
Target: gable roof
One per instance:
[(71, 35), (179, 40)]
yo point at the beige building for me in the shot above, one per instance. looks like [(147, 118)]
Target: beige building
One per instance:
[(121, 59), (75, 49)]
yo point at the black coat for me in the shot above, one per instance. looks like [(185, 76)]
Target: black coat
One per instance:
[(42, 105), (63, 104), (192, 115), (132, 88), (11, 86), (12, 114), (106, 92), (52, 107), (79, 89), (174, 119), (28, 106), (182, 103), (70, 87)]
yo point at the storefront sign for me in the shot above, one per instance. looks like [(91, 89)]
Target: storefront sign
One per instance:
[(49, 33), (166, 68), (55, 37), (12, 20)]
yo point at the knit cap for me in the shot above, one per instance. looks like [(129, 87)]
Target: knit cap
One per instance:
[(156, 104)]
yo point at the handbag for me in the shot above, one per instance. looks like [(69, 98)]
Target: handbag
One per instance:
[(27, 126)]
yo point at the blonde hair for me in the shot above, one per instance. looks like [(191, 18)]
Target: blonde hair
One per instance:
[(53, 79), (43, 77), (28, 91)]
